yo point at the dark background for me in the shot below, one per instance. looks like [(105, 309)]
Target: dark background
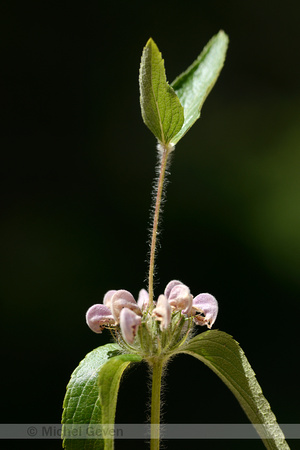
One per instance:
[(77, 164)]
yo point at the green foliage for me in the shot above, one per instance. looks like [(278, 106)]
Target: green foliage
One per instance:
[(221, 353), (92, 392), (194, 85), (170, 111), (108, 382), (91, 395), (161, 108)]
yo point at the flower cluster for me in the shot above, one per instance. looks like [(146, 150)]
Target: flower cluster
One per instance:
[(119, 308)]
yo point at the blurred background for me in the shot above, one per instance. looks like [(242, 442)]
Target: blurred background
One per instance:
[(77, 165)]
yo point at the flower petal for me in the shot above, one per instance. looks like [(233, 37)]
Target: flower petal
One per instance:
[(180, 298), (170, 286), (123, 299), (98, 316), (162, 312), (143, 299), (129, 324), (107, 297), (205, 304)]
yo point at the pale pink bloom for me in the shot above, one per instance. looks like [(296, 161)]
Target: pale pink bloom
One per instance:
[(98, 316), (179, 296), (123, 299), (205, 309), (129, 324), (162, 312)]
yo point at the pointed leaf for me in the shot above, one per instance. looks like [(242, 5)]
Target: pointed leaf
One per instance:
[(221, 353), (82, 403), (161, 108), (194, 85)]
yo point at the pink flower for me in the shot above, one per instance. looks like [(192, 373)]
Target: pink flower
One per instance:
[(205, 309), (98, 316), (123, 299), (179, 296), (129, 324), (120, 307)]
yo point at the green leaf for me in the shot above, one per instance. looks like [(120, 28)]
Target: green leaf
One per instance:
[(221, 353), (194, 85), (82, 404), (109, 380), (161, 108)]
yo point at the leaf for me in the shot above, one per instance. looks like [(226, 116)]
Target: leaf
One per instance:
[(109, 380), (82, 403), (194, 85), (161, 108), (221, 353)]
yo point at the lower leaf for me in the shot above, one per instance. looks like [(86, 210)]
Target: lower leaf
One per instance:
[(221, 353), (91, 397), (108, 382)]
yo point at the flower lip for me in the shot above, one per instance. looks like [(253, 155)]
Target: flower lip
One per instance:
[(98, 316), (129, 323), (205, 309), (123, 299)]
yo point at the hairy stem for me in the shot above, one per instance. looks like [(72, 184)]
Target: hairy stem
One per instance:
[(155, 404), (165, 151)]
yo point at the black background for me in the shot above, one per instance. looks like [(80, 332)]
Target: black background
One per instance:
[(77, 165)]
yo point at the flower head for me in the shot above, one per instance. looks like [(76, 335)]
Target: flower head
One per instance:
[(176, 310)]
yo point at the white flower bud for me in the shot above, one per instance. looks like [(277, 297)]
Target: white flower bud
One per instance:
[(162, 312), (143, 299)]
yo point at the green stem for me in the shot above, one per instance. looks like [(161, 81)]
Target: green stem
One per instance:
[(155, 404), (159, 190)]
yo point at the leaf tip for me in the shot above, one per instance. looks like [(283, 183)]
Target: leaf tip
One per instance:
[(150, 43), (222, 35)]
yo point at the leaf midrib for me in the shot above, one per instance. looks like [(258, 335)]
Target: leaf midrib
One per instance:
[(155, 99)]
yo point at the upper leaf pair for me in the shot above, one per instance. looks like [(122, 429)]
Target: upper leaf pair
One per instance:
[(169, 111)]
